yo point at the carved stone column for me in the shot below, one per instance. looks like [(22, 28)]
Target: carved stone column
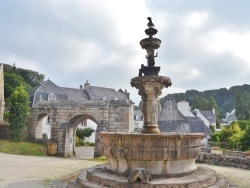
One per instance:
[(150, 88)]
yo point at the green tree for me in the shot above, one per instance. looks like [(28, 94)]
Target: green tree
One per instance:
[(32, 78), (242, 106), (246, 139), (229, 137), (86, 132), (18, 113), (196, 103), (204, 104), (212, 104), (11, 82)]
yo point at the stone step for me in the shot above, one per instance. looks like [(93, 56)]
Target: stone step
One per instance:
[(71, 184), (97, 177)]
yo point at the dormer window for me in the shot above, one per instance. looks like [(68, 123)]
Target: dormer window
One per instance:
[(137, 117), (51, 97)]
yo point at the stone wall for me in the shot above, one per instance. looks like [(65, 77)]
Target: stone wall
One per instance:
[(224, 160), (234, 153), (4, 131)]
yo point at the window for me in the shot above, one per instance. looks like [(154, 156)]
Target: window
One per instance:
[(137, 117), (51, 97)]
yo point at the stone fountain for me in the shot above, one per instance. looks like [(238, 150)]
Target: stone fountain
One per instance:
[(150, 159)]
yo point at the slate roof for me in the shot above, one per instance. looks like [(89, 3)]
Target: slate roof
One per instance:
[(231, 117), (184, 126), (76, 94), (49, 87), (209, 115), (138, 112), (97, 93)]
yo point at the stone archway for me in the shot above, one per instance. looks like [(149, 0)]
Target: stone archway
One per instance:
[(110, 116), (73, 124)]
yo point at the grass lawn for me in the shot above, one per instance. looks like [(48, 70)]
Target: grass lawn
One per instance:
[(22, 148), (101, 159)]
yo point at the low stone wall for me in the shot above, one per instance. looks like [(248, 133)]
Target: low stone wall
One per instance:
[(234, 153), (4, 132), (224, 160), (206, 150)]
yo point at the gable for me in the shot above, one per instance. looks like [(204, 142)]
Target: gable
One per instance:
[(209, 116), (49, 87)]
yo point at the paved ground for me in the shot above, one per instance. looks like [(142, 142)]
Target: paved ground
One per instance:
[(17, 171)]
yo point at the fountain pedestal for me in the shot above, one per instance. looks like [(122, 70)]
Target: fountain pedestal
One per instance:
[(150, 88)]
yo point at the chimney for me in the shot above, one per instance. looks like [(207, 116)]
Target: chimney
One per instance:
[(87, 84), (128, 96), (213, 110)]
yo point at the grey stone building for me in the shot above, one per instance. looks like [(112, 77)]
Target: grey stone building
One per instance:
[(49, 91)]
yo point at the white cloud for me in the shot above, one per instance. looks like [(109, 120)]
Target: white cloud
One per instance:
[(74, 41), (226, 41), (195, 19)]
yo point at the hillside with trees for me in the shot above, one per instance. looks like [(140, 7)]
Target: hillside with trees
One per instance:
[(225, 98)]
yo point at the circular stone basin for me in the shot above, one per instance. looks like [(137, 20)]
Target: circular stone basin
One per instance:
[(165, 154)]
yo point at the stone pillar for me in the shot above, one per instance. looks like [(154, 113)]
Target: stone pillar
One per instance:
[(98, 151)]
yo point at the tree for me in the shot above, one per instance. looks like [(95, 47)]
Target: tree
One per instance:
[(204, 104), (32, 78), (212, 104), (196, 103), (18, 113), (229, 137), (242, 106), (11, 82), (246, 139), (86, 132)]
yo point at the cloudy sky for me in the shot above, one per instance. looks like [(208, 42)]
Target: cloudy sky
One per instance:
[(205, 44)]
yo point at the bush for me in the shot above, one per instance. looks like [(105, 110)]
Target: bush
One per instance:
[(79, 142), (91, 144), (86, 132), (18, 113)]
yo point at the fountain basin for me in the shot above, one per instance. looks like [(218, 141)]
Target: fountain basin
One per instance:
[(165, 155)]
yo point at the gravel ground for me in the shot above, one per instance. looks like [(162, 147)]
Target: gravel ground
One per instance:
[(236, 176), (18, 171)]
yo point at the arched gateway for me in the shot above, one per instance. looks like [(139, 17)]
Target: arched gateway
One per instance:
[(65, 116)]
